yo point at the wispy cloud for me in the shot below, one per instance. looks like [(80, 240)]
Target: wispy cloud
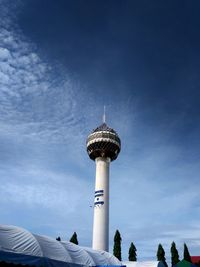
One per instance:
[(35, 102), (37, 187), (161, 193), (38, 109)]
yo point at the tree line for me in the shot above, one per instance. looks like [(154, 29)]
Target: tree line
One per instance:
[(132, 253), (174, 254)]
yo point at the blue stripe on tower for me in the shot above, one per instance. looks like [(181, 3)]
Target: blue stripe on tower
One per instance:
[(98, 195), (99, 191), (99, 203)]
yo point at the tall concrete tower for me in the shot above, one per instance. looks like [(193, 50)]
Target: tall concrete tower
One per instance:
[(103, 146)]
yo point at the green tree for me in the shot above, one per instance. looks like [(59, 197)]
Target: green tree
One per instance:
[(117, 245), (174, 254), (58, 238), (161, 255), (132, 256), (186, 254), (74, 239)]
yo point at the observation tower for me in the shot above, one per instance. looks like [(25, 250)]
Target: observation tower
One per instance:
[(103, 146)]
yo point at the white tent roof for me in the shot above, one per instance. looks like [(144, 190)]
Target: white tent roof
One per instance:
[(143, 264), (20, 241)]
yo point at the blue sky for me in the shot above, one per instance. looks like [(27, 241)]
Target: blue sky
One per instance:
[(60, 63)]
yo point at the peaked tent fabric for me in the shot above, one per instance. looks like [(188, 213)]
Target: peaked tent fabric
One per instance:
[(102, 257), (15, 239), (17, 245), (53, 249), (78, 254)]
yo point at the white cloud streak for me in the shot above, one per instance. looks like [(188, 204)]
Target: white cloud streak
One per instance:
[(34, 102), (38, 108), (42, 187)]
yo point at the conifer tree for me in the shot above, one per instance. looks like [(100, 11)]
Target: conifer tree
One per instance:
[(132, 253), (58, 238), (174, 254), (186, 254), (117, 245), (161, 255), (74, 239)]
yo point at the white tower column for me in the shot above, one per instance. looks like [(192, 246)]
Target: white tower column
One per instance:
[(101, 205), (103, 146)]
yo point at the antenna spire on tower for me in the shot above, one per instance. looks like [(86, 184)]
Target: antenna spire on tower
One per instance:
[(104, 114)]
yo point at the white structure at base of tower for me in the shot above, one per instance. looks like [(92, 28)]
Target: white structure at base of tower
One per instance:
[(101, 205)]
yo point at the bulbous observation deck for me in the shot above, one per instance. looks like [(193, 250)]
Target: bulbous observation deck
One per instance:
[(103, 142)]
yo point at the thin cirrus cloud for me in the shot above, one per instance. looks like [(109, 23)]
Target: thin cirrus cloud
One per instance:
[(38, 109), (35, 187), (34, 102)]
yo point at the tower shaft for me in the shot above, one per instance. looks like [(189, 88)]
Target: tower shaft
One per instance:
[(101, 205), (103, 146)]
